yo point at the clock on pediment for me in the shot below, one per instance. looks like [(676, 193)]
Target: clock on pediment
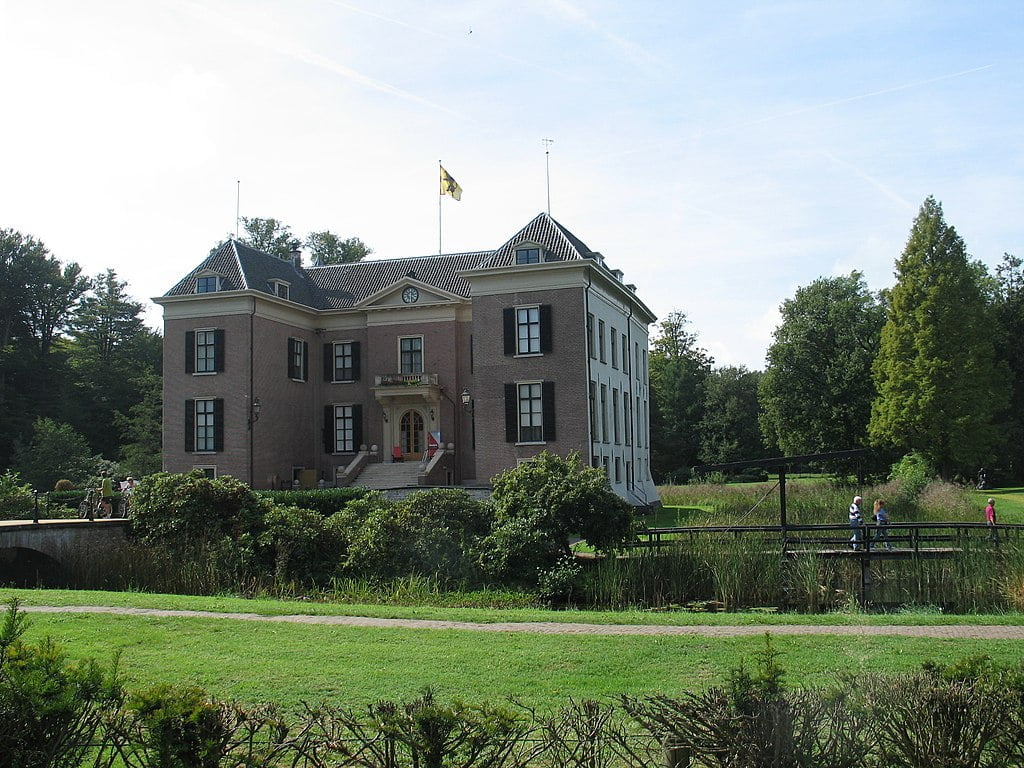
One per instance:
[(410, 295)]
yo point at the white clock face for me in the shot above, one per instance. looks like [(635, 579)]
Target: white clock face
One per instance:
[(410, 295)]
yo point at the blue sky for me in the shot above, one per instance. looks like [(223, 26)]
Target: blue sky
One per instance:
[(720, 154)]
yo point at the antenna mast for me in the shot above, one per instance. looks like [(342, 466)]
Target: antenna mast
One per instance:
[(547, 167), (238, 203)]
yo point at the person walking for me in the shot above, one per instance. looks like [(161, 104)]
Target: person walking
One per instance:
[(990, 520), (881, 516), (856, 522), (106, 494)]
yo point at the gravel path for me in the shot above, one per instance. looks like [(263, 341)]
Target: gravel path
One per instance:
[(978, 631)]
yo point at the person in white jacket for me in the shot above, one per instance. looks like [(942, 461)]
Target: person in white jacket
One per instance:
[(856, 522)]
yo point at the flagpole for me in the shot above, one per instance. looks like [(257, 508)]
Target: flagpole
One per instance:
[(547, 168), (439, 196), (238, 203)]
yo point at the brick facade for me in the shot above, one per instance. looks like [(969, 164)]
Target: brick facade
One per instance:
[(457, 309)]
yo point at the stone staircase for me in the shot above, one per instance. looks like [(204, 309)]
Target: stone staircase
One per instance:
[(382, 475)]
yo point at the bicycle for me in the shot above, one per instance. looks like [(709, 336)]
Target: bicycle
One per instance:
[(90, 506)]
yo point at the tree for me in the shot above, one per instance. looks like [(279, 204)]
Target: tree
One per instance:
[(56, 452), (817, 391), (728, 428), (141, 428), (327, 248), (111, 351), (1009, 312), (939, 385), (269, 235), (679, 369), (37, 298)]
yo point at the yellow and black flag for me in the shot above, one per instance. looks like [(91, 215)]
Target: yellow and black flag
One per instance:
[(449, 186)]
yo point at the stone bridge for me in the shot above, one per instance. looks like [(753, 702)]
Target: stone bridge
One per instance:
[(40, 553)]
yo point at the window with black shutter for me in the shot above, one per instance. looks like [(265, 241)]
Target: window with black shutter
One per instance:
[(328, 433), (511, 414), (190, 426), (298, 364)]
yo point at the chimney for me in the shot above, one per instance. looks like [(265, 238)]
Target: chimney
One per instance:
[(296, 254)]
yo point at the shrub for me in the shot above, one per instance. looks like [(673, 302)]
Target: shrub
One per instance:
[(16, 499), (432, 532), (912, 474), (546, 502), (177, 727), (186, 510), (63, 485), (326, 501), (300, 544), (50, 709)]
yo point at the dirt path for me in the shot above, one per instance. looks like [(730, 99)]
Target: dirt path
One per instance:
[(977, 631)]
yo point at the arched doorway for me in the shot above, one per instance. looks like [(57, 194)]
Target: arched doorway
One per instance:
[(411, 434)]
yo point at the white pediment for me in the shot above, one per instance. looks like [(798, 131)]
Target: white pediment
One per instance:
[(408, 292)]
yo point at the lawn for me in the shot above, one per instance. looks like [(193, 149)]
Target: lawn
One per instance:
[(292, 663), (1009, 503)]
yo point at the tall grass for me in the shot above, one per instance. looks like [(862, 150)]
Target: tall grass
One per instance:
[(816, 501), (744, 571), (133, 567)]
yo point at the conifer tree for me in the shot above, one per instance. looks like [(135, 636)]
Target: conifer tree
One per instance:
[(939, 385)]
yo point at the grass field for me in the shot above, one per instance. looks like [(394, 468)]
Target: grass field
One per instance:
[(289, 664)]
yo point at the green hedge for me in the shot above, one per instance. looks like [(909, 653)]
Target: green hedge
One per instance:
[(326, 501)]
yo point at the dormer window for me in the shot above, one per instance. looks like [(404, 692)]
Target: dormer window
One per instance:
[(527, 255), (280, 288), (207, 284)]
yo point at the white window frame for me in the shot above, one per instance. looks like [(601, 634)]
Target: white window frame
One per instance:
[(206, 340), (528, 320), (344, 428), (298, 357), (402, 353), (524, 253), (282, 289), (351, 358), (204, 436), (208, 276), (532, 418)]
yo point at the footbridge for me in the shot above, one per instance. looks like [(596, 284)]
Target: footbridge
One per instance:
[(36, 552)]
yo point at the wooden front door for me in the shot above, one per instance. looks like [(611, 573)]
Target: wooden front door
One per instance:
[(411, 435)]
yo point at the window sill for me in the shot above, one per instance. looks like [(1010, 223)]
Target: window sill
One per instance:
[(344, 381), (204, 373), (533, 442), (300, 381), (528, 354)]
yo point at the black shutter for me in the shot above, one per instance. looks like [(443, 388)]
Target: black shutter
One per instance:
[(305, 361), (190, 426), (357, 426), (190, 351), (511, 414), (356, 367), (293, 372), (328, 362), (548, 404), (328, 429), (509, 329), (218, 350), (218, 424), (545, 327)]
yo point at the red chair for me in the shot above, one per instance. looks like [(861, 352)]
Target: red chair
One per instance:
[(396, 454)]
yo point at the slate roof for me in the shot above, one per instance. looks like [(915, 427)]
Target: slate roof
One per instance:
[(344, 285)]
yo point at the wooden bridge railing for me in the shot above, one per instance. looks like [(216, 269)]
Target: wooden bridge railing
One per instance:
[(916, 536)]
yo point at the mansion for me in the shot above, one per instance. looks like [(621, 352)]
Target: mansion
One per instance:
[(452, 367)]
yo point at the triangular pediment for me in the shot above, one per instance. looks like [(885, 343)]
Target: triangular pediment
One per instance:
[(408, 292)]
